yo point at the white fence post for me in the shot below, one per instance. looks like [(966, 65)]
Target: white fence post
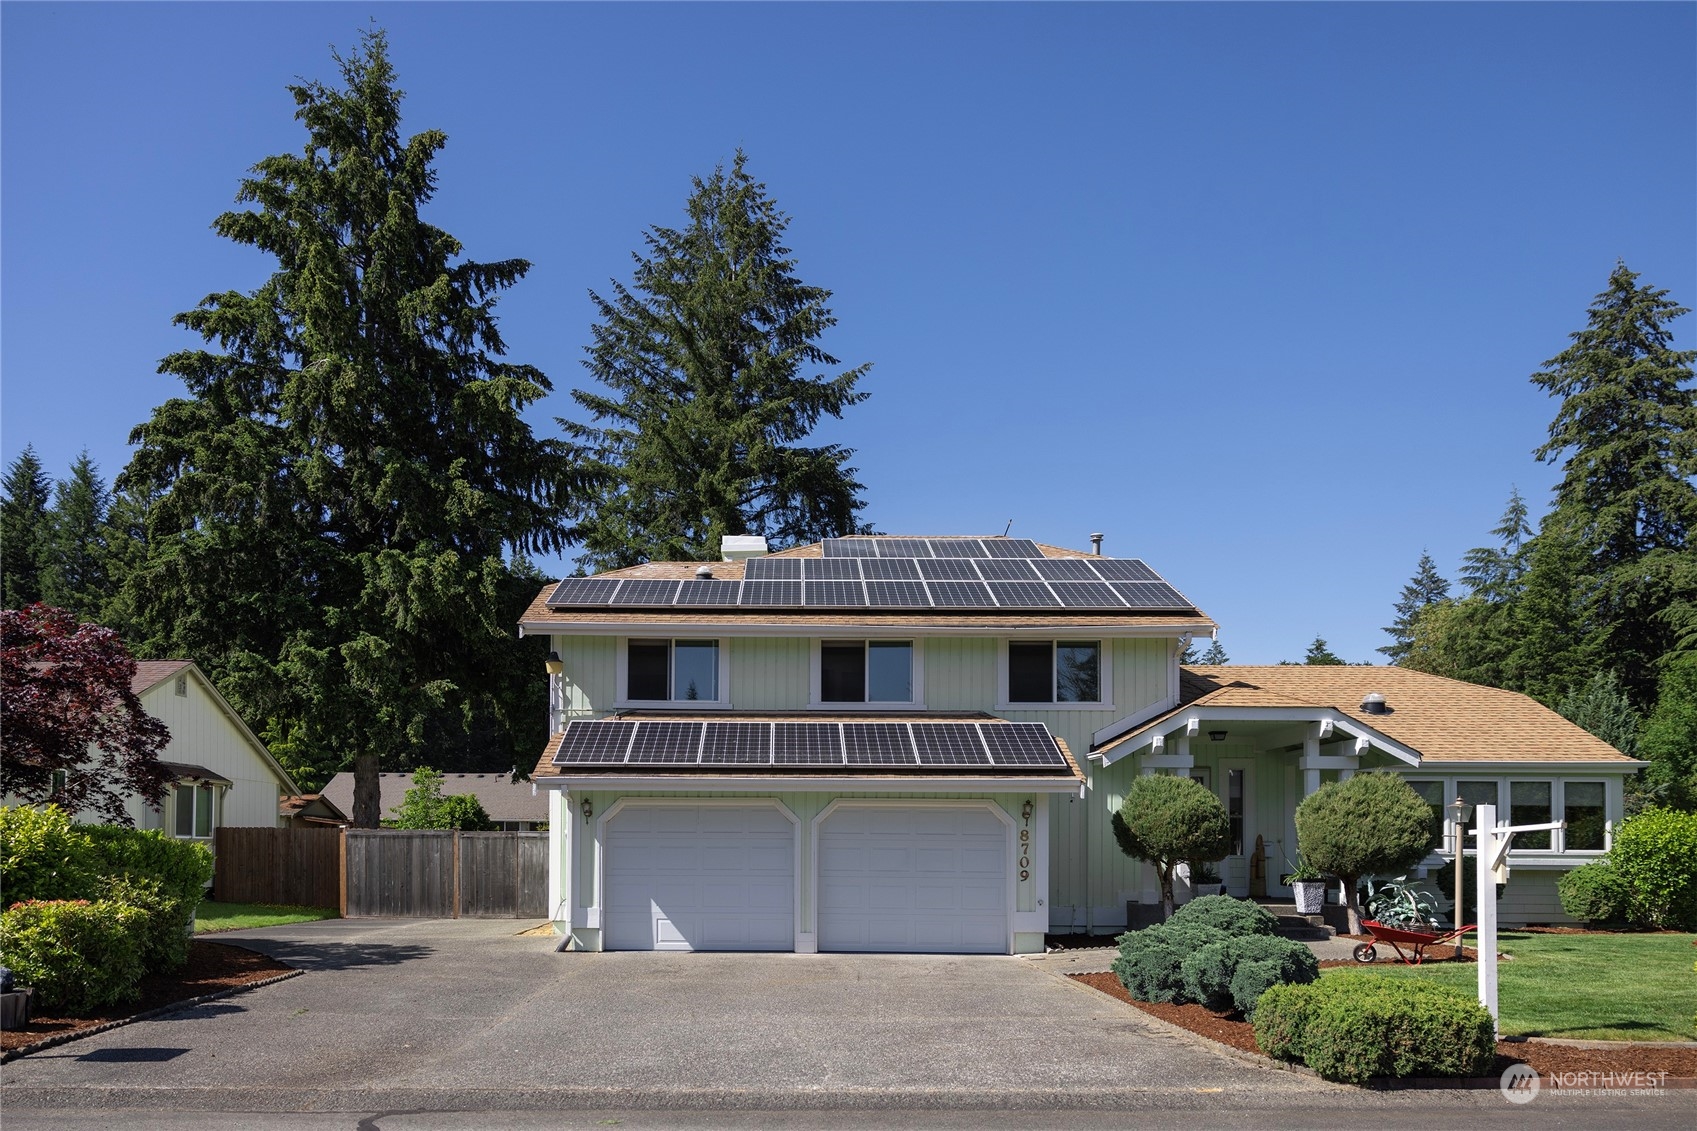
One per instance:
[(1485, 824)]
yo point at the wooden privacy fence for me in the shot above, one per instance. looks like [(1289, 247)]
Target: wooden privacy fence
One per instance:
[(404, 873)]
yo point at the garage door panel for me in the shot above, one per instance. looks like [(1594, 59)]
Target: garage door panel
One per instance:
[(913, 878), (699, 878)]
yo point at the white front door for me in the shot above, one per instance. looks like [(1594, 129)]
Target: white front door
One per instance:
[(699, 877), (919, 879), (1235, 785)]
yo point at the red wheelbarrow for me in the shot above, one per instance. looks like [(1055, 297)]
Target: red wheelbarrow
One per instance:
[(1397, 938)]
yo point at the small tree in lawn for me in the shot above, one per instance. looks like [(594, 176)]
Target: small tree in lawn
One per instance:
[(1366, 826), (1164, 820), (425, 807), (74, 733)]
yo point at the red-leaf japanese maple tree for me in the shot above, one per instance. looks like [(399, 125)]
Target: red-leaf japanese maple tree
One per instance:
[(67, 706)]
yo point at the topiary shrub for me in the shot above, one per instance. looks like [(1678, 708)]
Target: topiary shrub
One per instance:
[(1229, 914), (1166, 819), (1151, 962), (1353, 1027), (44, 856), (182, 867), (1655, 855), (79, 955), (1211, 972), (1594, 893), (1373, 824)]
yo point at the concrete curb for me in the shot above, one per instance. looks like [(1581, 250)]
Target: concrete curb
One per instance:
[(77, 1034)]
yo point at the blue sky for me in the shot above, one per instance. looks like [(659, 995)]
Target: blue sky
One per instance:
[(1254, 290)]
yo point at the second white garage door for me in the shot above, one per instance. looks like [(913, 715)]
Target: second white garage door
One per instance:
[(915, 879), (699, 877)]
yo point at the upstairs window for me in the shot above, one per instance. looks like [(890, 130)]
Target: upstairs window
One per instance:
[(866, 671), (673, 671), (1063, 671)]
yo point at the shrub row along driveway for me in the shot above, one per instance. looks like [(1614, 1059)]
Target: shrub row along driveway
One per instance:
[(433, 1014)]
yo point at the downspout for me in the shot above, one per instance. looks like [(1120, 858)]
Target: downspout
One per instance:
[(1089, 794)]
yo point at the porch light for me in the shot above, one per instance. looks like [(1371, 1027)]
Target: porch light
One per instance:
[(1462, 811), (1025, 810), (1216, 736), (588, 808), (554, 665)]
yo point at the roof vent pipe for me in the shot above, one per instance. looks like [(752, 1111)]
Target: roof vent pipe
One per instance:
[(1374, 704), (1096, 544), (704, 571)]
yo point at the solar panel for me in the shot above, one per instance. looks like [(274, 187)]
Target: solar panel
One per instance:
[(960, 594), (646, 592), (955, 547), (768, 569), (584, 591), (902, 548), (1124, 569), (666, 743), (897, 594), (889, 569), (947, 569), (841, 569), (1150, 595), (1021, 744), (747, 744), (703, 591), (587, 741), (877, 744), (833, 594), (1022, 594), (949, 744), (1006, 569), (1086, 594), (807, 744), (771, 593), (1011, 548), (850, 548), (1065, 569)]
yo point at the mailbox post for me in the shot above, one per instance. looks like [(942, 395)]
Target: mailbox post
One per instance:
[(1492, 869)]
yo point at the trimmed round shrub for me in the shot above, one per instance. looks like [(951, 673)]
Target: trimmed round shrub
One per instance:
[(1595, 893), (1211, 973), (1151, 961), (44, 856), (1229, 914), (1655, 854), (79, 954), (1353, 1027), (1374, 824), (1166, 820)]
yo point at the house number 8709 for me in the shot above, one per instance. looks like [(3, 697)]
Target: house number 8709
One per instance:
[(1025, 850)]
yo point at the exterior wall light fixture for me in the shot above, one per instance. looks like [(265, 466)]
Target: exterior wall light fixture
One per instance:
[(588, 808), (1025, 810), (1216, 736), (554, 665)]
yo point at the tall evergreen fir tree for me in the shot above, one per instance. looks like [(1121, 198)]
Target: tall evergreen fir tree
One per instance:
[(1424, 589), (1626, 437), (1214, 655), (332, 506), (24, 528), (1669, 738), (1552, 649), (1601, 707), (708, 363), (1320, 652), (74, 572), (1495, 572)]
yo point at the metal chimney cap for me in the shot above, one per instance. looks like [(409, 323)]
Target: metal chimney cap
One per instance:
[(1096, 543), (1374, 704)]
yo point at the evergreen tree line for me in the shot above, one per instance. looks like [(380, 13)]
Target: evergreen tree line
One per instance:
[(1593, 611), (335, 519)]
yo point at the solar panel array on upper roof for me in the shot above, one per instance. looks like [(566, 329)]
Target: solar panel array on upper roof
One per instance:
[(899, 573), (668, 745)]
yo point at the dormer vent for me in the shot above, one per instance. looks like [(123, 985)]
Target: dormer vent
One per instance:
[(704, 572), (1374, 704)]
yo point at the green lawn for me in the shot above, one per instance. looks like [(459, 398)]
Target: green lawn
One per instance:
[(1625, 987), (211, 916)]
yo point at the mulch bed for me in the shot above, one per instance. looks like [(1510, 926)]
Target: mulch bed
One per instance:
[(1620, 1057), (212, 968)]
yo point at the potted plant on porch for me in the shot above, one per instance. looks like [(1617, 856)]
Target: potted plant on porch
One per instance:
[(1205, 879), (1309, 884)]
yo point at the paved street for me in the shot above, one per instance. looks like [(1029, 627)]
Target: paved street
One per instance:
[(420, 1024)]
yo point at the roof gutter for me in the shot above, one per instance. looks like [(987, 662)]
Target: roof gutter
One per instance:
[(869, 628), (809, 783)]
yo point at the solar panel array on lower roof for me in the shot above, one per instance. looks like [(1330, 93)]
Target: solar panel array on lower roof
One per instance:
[(930, 573), (668, 745)]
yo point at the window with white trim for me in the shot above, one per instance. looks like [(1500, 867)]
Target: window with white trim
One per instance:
[(866, 671), (672, 671), (194, 811), (1058, 671), (1584, 810), (1531, 803)]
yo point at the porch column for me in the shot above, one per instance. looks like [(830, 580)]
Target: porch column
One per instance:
[(1310, 764)]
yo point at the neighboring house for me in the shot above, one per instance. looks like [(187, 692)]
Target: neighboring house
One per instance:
[(513, 806), (223, 775), (310, 811), (918, 744)]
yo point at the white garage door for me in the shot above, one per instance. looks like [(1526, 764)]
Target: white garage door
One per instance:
[(704, 877), (915, 879)]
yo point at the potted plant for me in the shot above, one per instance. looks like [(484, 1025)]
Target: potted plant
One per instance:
[(1394, 903), (1309, 884), (1204, 879)]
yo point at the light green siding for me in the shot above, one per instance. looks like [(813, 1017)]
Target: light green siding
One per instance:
[(769, 673), (588, 683)]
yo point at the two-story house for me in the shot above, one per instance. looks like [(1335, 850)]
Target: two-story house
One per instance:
[(917, 744)]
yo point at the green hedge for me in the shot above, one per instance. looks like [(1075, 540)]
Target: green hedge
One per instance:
[(1655, 854), (44, 856), (1233, 973), (1227, 913), (1216, 951), (182, 867), (167, 920), (1352, 1027), (1595, 893), (79, 954), (1151, 962)]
